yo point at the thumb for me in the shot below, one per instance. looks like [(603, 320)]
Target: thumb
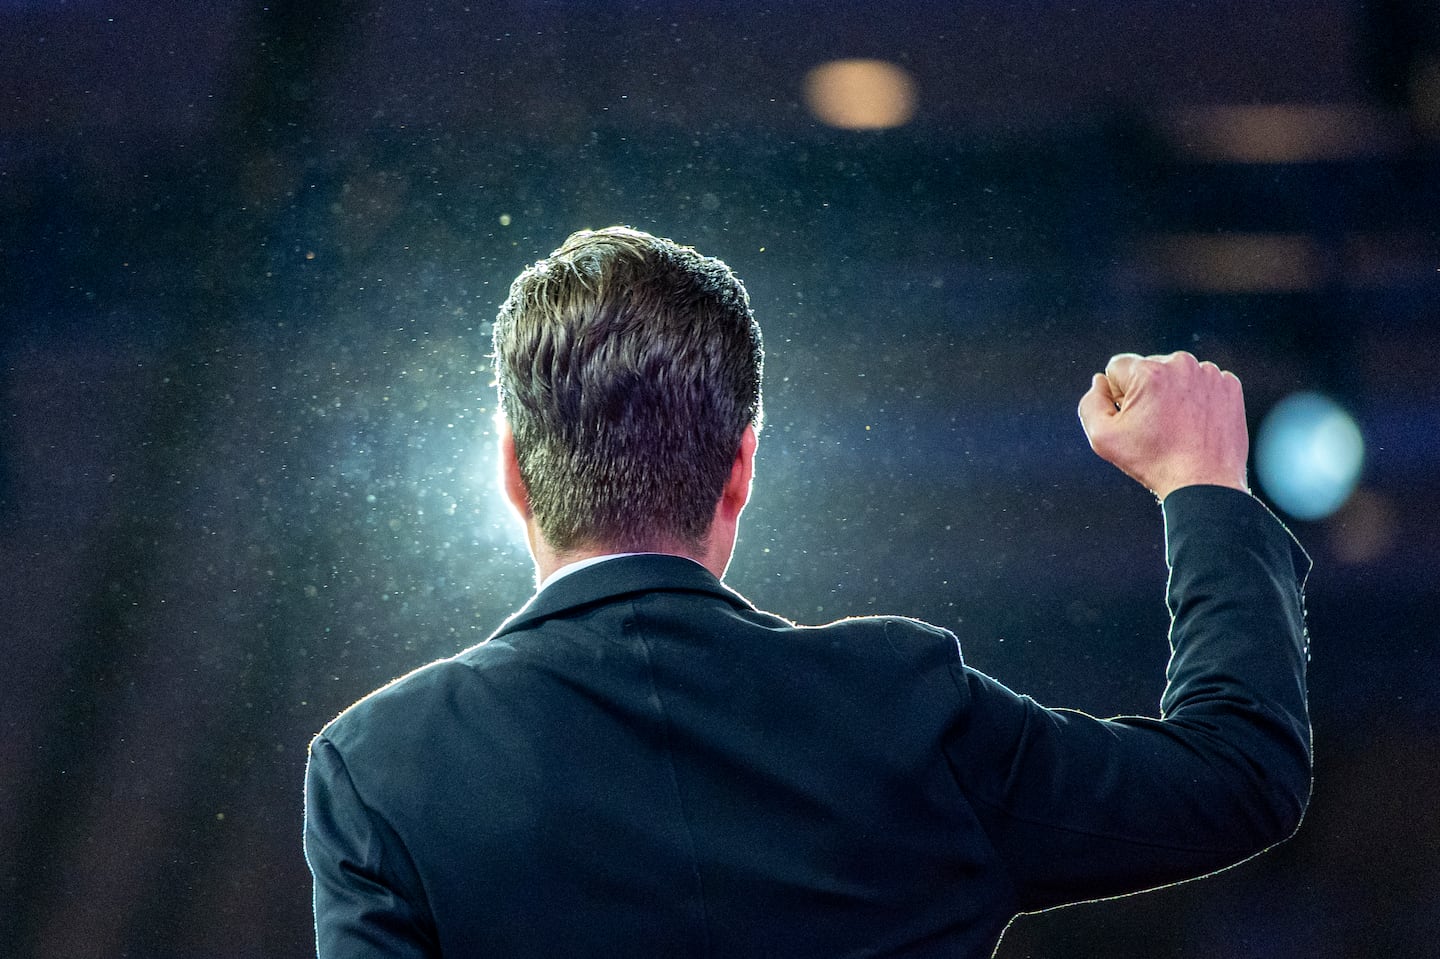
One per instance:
[(1097, 406)]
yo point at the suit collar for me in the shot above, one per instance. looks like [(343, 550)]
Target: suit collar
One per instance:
[(615, 578)]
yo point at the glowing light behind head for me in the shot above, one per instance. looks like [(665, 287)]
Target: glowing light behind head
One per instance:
[(1308, 455), (860, 94), (487, 474)]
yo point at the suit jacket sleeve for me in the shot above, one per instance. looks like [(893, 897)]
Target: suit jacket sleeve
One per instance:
[(368, 898), (1082, 808)]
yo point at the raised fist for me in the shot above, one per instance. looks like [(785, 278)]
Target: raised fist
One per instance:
[(1168, 421)]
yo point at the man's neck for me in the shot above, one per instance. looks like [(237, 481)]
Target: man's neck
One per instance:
[(550, 561), (573, 566)]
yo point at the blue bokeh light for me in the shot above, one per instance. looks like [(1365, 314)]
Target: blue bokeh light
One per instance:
[(1309, 455)]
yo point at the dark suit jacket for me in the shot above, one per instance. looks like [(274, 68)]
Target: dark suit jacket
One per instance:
[(639, 763)]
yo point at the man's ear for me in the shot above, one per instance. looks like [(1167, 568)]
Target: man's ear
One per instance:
[(737, 488), (515, 490)]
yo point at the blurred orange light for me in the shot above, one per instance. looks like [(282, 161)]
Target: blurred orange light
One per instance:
[(1425, 95), (1238, 262), (860, 94), (1283, 132), (1365, 529), (1387, 258)]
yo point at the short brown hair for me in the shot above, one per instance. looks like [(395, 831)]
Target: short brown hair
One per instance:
[(628, 368)]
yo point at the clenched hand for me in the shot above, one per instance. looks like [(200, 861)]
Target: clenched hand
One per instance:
[(1168, 421)]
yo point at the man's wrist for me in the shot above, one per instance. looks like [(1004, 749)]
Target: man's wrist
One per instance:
[(1240, 486)]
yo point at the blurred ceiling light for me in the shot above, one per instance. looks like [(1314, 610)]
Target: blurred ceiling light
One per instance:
[(1237, 262), (1365, 529), (860, 94), (1308, 455), (1425, 97), (1283, 132), (1388, 258)]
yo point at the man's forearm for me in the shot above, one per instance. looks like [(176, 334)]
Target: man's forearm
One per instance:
[(1240, 646)]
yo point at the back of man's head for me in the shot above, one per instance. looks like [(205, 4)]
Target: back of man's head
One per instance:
[(629, 367)]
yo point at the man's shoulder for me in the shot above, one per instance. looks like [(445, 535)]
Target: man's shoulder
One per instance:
[(886, 623), (404, 702), (897, 636), (860, 630)]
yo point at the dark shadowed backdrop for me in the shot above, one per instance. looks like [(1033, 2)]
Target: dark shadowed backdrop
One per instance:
[(249, 258)]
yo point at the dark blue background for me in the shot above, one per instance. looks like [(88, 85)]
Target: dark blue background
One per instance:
[(250, 257)]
